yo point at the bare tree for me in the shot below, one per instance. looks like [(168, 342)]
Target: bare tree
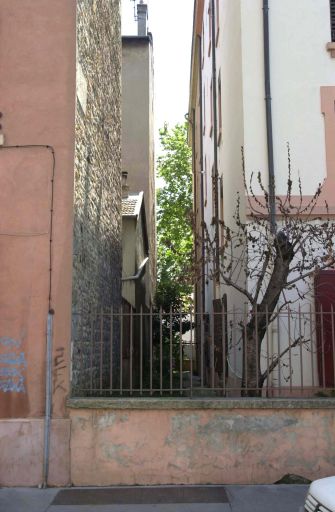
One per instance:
[(263, 263)]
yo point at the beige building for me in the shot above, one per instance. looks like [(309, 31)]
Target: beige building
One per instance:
[(138, 127), (136, 290), (216, 133), (135, 251)]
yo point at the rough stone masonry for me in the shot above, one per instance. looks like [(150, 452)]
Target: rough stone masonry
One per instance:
[(97, 199)]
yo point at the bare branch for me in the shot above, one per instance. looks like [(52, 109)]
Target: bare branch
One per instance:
[(310, 273), (298, 342)]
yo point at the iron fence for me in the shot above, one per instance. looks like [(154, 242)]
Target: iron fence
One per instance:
[(191, 354)]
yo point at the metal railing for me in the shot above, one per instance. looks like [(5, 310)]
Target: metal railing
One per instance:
[(192, 354)]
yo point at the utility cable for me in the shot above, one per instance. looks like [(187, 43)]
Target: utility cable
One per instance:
[(50, 232)]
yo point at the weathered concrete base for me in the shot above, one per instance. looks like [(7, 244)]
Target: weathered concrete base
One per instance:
[(112, 444), (21, 448), (153, 442)]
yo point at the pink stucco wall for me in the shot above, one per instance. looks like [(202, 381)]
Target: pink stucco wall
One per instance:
[(21, 448), (200, 446), (109, 446), (327, 108), (37, 102), (37, 91)]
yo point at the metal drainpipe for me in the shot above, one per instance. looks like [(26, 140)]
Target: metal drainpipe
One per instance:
[(269, 132), (48, 399), (215, 138), (202, 178)]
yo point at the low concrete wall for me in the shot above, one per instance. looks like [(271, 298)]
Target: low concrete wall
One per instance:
[(198, 442), (21, 449)]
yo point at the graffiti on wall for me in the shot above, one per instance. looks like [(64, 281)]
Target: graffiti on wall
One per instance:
[(12, 366), (59, 367)]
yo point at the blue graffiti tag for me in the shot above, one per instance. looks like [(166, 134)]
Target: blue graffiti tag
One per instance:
[(12, 358), (12, 366), (9, 342)]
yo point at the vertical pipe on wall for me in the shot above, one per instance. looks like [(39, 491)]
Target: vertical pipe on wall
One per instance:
[(192, 122), (48, 399), (269, 131), (201, 178)]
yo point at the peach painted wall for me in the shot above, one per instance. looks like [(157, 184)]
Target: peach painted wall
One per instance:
[(21, 448), (37, 99), (200, 446)]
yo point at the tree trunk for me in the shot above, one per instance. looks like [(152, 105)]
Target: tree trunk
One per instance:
[(252, 380)]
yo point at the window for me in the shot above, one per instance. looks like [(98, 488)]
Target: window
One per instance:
[(332, 19), (210, 27), (202, 46), (213, 192), (219, 109), (204, 110), (221, 212), (212, 114), (205, 183), (217, 21)]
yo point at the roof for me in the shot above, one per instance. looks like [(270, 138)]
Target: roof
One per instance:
[(131, 205), (137, 39)]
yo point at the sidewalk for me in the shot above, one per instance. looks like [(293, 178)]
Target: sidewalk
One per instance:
[(228, 498)]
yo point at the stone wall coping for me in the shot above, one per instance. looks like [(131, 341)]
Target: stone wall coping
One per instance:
[(201, 403)]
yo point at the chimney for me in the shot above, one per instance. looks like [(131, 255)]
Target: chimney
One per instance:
[(125, 187), (142, 16)]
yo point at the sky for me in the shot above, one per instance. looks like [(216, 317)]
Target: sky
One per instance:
[(170, 22)]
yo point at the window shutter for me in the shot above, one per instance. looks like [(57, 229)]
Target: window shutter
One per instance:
[(332, 19)]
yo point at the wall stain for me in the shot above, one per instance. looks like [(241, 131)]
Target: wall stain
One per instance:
[(243, 424), (81, 423), (182, 435), (188, 434), (107, 420), (118, 453)]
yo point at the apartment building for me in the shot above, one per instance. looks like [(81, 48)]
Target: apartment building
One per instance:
[(262, 76)]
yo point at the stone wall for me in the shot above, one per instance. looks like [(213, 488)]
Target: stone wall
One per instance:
[(97, 199)]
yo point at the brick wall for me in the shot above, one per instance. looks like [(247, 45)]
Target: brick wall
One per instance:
[(97, 199)]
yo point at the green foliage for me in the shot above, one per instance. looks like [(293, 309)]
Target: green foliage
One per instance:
[(174, 224)]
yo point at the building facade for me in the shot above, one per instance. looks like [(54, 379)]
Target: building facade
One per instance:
[(97, 253), (60, 176), (254, 72), (138, 127)]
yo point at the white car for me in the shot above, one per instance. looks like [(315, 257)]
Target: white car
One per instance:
[(321, 496)]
